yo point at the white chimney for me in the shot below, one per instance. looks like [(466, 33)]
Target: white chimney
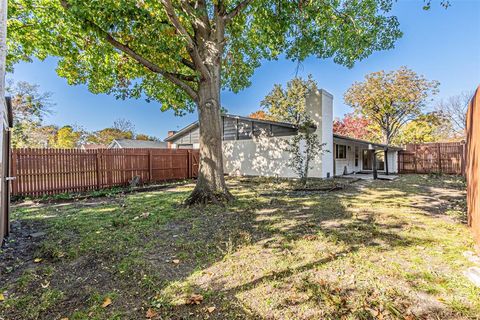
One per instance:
[(319, 107)]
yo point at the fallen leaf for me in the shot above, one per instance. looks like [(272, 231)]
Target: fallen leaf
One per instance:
[(176, 261), (2, 297), (37, 260), (64, 319), (45, 285), (195, 299), (106, 302), (145, 215), (150, 313), (211, 309)]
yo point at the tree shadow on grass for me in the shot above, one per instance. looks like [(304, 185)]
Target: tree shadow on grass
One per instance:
[(151, 254)]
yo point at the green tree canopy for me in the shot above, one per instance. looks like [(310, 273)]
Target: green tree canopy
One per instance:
[(391, 99), (67, 138), (428, 127), (288, 105)]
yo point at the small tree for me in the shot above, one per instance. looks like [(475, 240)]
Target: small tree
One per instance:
[(304, 147), (391, 99), (288, 105)]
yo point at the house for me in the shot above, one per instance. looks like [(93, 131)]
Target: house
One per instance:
[(257, 147), (92, 146), (130, 143)]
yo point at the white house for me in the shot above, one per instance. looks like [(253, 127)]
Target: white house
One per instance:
[(257, 147)]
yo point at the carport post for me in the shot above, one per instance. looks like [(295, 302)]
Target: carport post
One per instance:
[(386, 161)]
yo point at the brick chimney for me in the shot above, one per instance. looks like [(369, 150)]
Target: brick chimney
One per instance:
[(170, 133)]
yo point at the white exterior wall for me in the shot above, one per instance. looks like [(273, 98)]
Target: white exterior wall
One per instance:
[(260, 156), (392, 161), (265, 156), (349, 162)]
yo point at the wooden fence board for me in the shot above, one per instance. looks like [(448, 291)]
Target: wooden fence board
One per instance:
[(447, 158), (52, 171), (473, 165)]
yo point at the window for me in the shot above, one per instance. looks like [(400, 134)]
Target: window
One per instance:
[(340, 151), (244, 130)]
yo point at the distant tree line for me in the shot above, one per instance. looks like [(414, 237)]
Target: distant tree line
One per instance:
[(31, 106)]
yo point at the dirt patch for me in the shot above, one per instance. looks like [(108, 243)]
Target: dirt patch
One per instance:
[(17, 253)]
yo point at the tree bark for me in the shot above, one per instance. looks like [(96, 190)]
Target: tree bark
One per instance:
[(210, 187)]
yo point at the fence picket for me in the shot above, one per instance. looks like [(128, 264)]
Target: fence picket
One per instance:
[(52, 171)]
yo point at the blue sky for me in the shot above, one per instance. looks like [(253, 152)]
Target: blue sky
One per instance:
[(441, 44)]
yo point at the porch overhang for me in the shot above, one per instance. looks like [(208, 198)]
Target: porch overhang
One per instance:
[(339, 139)]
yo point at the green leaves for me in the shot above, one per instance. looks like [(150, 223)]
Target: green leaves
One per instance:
[(391, 99), (132, 49)]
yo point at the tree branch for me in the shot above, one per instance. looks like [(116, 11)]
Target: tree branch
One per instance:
[(177, 79), (192, 47), (235, 11)]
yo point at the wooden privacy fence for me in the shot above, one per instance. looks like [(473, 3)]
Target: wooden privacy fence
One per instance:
[(447, 158), (52, 171), (473, 165)]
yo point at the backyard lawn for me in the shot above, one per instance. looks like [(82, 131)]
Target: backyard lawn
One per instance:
[(371, 250)]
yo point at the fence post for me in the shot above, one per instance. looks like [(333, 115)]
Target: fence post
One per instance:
[(439, 158), (463, 158), (13, 171), (98, 167), (415, 157), (189, 164), (150, 168)]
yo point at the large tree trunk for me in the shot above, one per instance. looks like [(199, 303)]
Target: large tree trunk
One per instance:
[(211, 187)]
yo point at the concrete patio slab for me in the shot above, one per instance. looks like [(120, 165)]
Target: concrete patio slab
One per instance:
[(369, 176)]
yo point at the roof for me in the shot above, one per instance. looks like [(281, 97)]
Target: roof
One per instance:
[(89, 146), (130, 143), (194, 125), (380, 145)]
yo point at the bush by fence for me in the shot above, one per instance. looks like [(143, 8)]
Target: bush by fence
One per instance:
[(52, 171), (447, 158)]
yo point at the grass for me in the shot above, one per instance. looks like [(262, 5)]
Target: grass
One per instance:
[(381, 249)]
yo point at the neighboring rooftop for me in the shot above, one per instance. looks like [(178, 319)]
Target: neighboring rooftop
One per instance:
[(130, 143), (90, 146)]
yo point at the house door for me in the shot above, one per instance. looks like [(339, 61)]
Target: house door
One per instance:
[(367, 160)]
